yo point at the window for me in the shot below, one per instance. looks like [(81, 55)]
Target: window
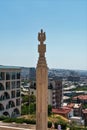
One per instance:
[(1, 86), (12, 94), (17, 102), (13, 84), (18, 93), (7, 76), (7, 85), (1, 107), (13, 75), (18, 75), (18, 84), (2, 75)]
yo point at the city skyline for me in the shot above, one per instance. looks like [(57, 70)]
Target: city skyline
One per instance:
[(65, 24)]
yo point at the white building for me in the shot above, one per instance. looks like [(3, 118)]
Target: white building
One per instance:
[(10, 100)]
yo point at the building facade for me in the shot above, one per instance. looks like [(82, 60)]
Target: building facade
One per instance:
[(57, 94), (10, 99)]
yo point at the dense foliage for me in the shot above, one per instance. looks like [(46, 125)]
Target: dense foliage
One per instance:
[(49, 110), (27, 99), (28, 109)]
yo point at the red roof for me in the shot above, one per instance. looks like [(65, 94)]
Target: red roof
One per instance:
[(81, 97), (84, 111), (63, 110)]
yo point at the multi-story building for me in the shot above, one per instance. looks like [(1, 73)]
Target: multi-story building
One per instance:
[(57, 93), (10, 100)]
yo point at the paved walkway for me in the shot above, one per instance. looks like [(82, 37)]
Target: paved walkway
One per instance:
[(15, 126), (12, 128)]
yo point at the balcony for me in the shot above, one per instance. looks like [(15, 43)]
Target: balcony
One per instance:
[(2, 76), (18, 93), (7, 76), (12, 94), (1, 87), (7, 85), (10, 104), (1, 107), (4, 96), (18, 75), (13, 85), (18, 102), (13, 76), (18, 84), (15, 112)]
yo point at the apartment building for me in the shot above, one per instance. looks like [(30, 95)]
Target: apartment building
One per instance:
[(57, 93), (10, 100)]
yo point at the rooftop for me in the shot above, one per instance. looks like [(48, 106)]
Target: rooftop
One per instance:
[(61, 110), (9, 67), (81, 97)]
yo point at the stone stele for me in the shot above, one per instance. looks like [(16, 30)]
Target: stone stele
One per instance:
[(41, 85)]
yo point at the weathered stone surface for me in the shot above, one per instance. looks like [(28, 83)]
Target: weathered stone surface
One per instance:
[(41, 85)]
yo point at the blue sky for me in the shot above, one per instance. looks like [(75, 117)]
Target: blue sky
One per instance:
[(65, 24)]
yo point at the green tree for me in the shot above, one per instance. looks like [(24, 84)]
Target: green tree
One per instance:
[(29, 99), (24, 109), (25, 98), (72, 125), (32, 98), (49, 110), (32, 108)]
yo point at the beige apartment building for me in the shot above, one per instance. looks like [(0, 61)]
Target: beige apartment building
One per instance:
[(10, 99)]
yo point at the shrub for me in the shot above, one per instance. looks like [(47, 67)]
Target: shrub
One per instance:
[(56, 125), (7, 119), (19, 120), (63, 125), (2, 118), (49, 124), (32, 122), (28, 121)]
